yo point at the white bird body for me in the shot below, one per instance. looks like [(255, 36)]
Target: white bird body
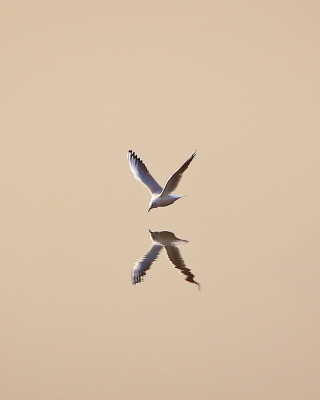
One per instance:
[(163, 201), (160, 197)]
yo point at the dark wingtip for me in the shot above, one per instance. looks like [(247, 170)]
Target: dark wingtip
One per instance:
[(133, 154)]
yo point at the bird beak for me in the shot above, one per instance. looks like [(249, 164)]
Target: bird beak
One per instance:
[(149, 209)]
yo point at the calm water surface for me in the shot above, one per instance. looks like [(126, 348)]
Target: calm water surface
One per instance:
[(84, 85)]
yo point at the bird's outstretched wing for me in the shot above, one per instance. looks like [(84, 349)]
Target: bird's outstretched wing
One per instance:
[(177, 260), (141, 266), (175, 178), (141, 173)]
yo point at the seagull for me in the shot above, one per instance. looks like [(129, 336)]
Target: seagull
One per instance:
[(160, 197), (162, 240)]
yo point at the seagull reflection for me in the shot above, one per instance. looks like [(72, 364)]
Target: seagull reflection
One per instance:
[(161, 240)]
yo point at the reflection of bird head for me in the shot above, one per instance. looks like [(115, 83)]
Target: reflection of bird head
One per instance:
[(165, 238)]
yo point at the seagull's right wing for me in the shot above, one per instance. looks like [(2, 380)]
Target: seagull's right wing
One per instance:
[(141, 173), (175, 178), (177, 260), (141, 266)]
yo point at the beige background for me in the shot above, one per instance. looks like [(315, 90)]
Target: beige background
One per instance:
[(82, 83)]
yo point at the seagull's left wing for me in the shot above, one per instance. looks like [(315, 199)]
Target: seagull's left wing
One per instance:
[(175, 178), (141, 173), (141, 266)]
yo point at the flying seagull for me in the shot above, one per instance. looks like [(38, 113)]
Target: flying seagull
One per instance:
[(162, 240), (160, 197)]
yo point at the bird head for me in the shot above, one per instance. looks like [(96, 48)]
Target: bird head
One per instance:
[(153, 204)]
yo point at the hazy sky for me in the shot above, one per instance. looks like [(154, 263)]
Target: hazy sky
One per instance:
[(81, 84)]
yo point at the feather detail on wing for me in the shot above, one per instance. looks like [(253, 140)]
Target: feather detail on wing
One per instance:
[(175, 178), (141, 173), (175, 257), (141, 266)]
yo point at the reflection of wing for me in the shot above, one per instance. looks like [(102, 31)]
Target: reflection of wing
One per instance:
[(175, 178), (141, 173), (141, 266), (177, 260)]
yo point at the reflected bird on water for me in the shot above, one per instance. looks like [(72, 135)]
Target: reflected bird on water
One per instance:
[(169, 242), (160, 197)]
